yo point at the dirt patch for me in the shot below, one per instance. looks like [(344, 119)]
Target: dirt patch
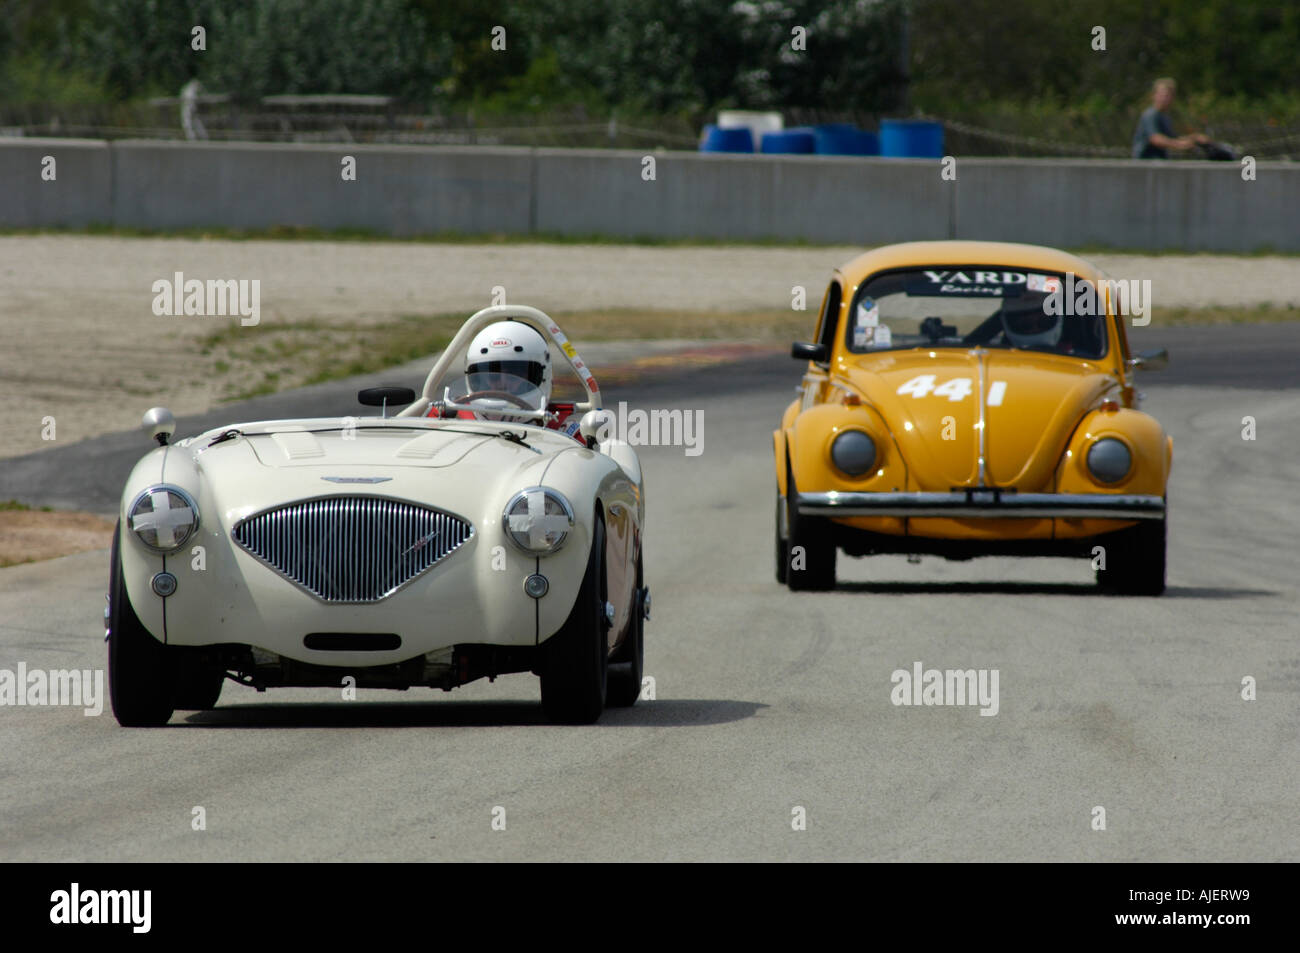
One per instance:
[(30, 535)]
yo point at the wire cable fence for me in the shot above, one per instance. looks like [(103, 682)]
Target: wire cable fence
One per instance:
[(343, 119), (380, 119)]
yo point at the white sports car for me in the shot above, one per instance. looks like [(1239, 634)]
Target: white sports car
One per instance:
[(483, 530)]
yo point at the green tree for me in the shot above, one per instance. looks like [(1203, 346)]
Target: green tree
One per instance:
[(141, 47), (830, 55), (262, 47)]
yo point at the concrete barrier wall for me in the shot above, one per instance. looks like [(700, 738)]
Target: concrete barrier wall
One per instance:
[(741, 197), (399, 191), (79, 193), (413, 190), (1198, 206)]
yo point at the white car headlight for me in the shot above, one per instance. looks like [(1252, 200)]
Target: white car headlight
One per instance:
[(538, 520), (163, 518)]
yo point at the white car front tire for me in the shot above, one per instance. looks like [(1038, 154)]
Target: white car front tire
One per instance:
[(576, 665), (137, 671)]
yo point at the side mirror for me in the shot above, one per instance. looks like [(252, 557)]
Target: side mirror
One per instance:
[(1156, 360), (160, 423), (384, 396), (804, 351), (596, 425)]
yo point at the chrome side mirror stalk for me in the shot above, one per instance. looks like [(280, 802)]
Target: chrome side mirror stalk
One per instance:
[(1153, 360)]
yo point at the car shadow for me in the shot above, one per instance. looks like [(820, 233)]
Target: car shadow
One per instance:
[(1216, 592), (661, 713), (1042, 589), (971, 588)]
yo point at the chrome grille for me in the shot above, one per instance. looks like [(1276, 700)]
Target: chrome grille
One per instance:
[(352, 548)]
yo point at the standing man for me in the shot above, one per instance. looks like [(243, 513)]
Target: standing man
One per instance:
[(1154, 135)]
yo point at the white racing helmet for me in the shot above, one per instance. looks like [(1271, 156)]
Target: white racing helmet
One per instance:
[(508, 358), (1027, 323)]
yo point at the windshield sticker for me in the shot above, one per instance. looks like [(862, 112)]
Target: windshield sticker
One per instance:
[(968, 284), (877, 337), (1047, 284), (868, 313)]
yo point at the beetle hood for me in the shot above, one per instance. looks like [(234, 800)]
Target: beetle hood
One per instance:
[(932, 403)]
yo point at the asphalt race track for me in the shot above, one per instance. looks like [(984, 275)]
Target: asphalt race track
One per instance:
[(766, 701)]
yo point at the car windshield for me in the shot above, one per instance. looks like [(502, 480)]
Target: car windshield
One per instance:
[(976, 306)]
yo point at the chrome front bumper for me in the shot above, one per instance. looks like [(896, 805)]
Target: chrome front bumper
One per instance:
[(983, 503)]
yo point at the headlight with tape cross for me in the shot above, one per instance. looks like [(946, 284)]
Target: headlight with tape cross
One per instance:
[(538, 520), (163, 518)]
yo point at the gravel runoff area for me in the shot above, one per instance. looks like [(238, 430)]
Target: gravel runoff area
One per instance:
[(81, 343)]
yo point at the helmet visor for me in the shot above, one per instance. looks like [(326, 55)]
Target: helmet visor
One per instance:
[(530, 371), (526, 393)]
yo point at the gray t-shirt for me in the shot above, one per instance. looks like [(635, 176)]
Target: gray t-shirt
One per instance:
[(1151, 121)]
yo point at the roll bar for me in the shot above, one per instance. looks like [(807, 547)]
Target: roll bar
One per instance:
[(534, 318)]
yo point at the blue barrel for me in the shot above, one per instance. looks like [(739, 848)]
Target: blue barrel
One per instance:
[(911, 138), (789, 142), (738, 139), (843, 139)]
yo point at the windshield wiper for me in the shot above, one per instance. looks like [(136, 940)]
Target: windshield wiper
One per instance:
[(222, 438), (517, 438)]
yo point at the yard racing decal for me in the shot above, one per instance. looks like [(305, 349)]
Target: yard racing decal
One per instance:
[(970, 284)]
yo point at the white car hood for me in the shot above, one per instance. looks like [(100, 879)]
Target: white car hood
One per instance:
[(303, 448), (376, 442), (456, 468)]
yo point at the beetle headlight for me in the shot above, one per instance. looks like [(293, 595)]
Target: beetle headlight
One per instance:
[(538, 520), (163, 518), (853, 452), (1109, 460)]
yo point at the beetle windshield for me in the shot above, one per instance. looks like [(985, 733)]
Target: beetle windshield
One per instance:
[(978, 306)]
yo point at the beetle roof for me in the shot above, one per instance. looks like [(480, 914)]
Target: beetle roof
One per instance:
[(921, 254)]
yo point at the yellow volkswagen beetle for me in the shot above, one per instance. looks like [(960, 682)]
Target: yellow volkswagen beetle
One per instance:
[(971, 399)]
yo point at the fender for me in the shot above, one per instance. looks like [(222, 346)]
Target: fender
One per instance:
[(1151, 447), (809, 450)]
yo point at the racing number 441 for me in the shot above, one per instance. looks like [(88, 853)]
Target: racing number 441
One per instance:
[(955, 389)]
